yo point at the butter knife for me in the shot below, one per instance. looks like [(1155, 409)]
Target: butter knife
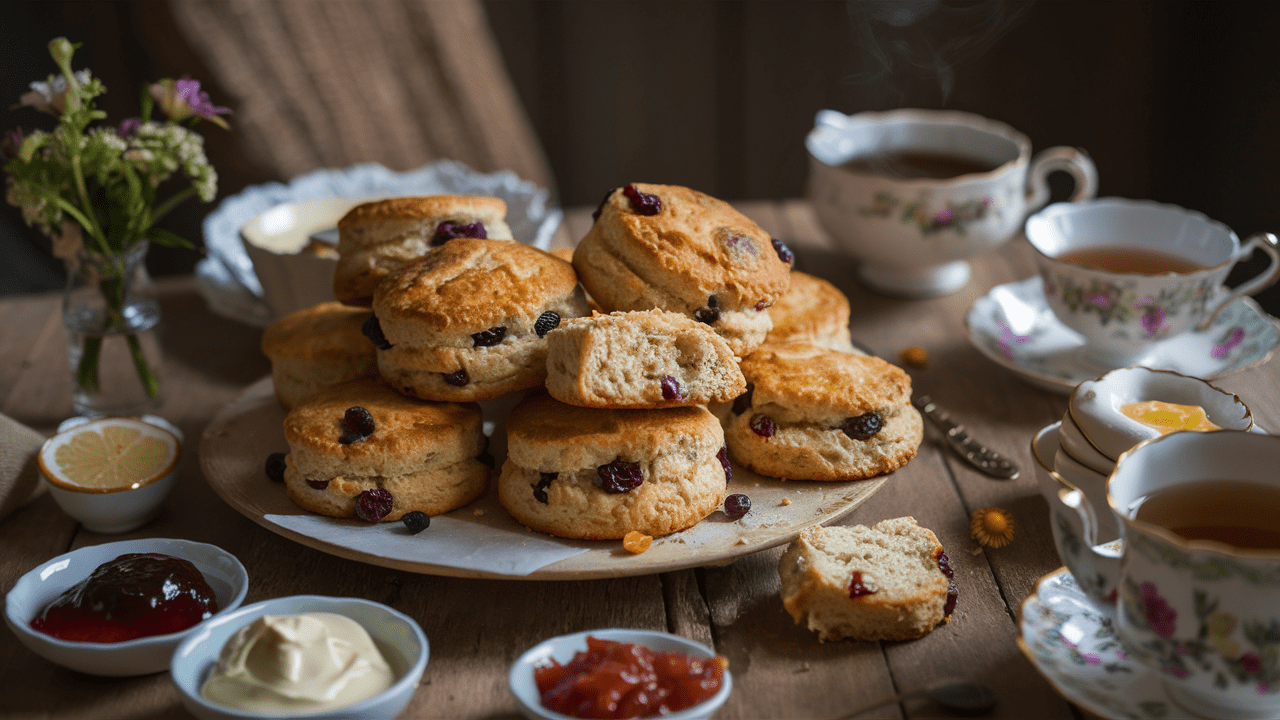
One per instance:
[(975, 453)]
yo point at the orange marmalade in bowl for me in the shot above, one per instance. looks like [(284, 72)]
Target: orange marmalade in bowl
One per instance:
[(621, 680)]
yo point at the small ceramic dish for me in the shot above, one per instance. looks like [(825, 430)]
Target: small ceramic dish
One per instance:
[(564, 647), (1077, 446), (33, 591), (396, 635), (1096, 406), (112, 510)]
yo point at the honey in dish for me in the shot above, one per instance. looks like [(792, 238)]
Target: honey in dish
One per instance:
[(907, 165), (1241, 514), (1168, 417), (1122, 259)]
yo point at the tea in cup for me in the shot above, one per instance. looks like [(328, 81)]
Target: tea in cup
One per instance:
[(911, 194), (1199, 580), (1126, 274)]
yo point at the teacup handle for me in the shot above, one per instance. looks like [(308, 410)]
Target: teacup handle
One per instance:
[(1074, 161), (1096, 573), (1267, 243)]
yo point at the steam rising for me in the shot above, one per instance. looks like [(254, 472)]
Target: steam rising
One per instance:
[(929, 37)]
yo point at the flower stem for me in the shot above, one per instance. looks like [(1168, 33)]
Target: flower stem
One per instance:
[(87, 370), (149, 381)]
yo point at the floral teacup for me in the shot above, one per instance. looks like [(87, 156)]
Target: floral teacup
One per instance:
[(1087, 253), (912, 231), (1203, 613)]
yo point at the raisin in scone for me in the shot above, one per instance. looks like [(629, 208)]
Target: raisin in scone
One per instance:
[(676, 249), (380, 237), (316, 348), (640, 359), (812, 311), (362, 450), (596, 474), (810, 413), (469, 321), (892, 581)]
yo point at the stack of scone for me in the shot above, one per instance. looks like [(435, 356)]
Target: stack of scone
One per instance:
[(624, 441)]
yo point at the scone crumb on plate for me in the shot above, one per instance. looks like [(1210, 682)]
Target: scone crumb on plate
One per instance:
[(785, 501), (477, 512), (914, 356), (636, 542)]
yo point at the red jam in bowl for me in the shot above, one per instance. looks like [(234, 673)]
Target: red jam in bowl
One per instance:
[(136, 595), (621, 680)]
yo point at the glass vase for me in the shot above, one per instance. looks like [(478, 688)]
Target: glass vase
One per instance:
[(111, 314)]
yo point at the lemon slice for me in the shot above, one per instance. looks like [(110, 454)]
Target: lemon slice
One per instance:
[(109, 454)]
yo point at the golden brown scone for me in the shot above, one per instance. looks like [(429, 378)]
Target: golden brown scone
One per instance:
[(810, 413), (469, 321), (377, 238), (696, 256), (573, 472), (812, 311), (424, 454), (640, 360), (318, 347), (887, 582)]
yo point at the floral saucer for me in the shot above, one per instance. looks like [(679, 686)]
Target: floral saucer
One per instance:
[(1014, 327), (1073, 644)]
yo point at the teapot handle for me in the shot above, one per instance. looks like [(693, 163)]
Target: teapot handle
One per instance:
[(1074, 161), (1095, 568)]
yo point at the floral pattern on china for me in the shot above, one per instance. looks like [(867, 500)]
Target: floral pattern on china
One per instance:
[(955, 216), (1119, 302)]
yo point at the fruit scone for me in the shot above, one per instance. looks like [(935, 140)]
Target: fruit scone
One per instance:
[(810, 413), (641, 359), (469, 321), (316, 348), (595, 474), (812, 311), (892, 581), (380, 237), (676, 249), (362, 450)]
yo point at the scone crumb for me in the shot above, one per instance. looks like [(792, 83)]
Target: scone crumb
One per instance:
[(914, 356), (636, 542), (991, 526), (741, 541), (477, 512), (785, 501)]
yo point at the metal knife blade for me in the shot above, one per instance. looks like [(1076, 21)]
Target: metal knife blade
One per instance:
[(975, 453)]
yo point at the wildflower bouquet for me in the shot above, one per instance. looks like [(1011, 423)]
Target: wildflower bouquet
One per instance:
[(93, 189)]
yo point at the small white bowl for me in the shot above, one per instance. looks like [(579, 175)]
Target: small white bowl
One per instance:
[(397, 635), (564, 647), (1075, 444), (33, 591)]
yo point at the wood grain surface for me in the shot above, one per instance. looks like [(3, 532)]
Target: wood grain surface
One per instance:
[(477, 627)]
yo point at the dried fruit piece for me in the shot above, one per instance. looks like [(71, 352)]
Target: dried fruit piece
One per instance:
[(723, 457), (742, 403), (544, 482), (449, 230), (636, 542), (763, 426), (641, 202), (600, 208), (372, 329), (858, 587), (671, 389), (784, 252), (953, 592), (416, 521), (863, 427), (317, 484), (275, 466), (490, 337), (356, 424), (373, 504), (619, 476), (763, 305), (546, 322), (458, 378), (737, 505)]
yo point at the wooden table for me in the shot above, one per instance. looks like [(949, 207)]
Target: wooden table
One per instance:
[(477, 627)]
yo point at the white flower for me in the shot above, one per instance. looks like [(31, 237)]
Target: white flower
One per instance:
[(51, 96)]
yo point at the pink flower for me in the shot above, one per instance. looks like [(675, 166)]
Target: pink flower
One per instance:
[(1219, 351), (1176, 672), (1182, 650), (1263, 687), (944, 217), (1102, 300), (1093, 659), (1160, 617), (1152, 320), (11, 143), (128, 128), (1250, 662), (181, 99), (986, 200)]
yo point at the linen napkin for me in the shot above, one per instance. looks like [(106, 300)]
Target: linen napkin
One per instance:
[(20, 480)]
